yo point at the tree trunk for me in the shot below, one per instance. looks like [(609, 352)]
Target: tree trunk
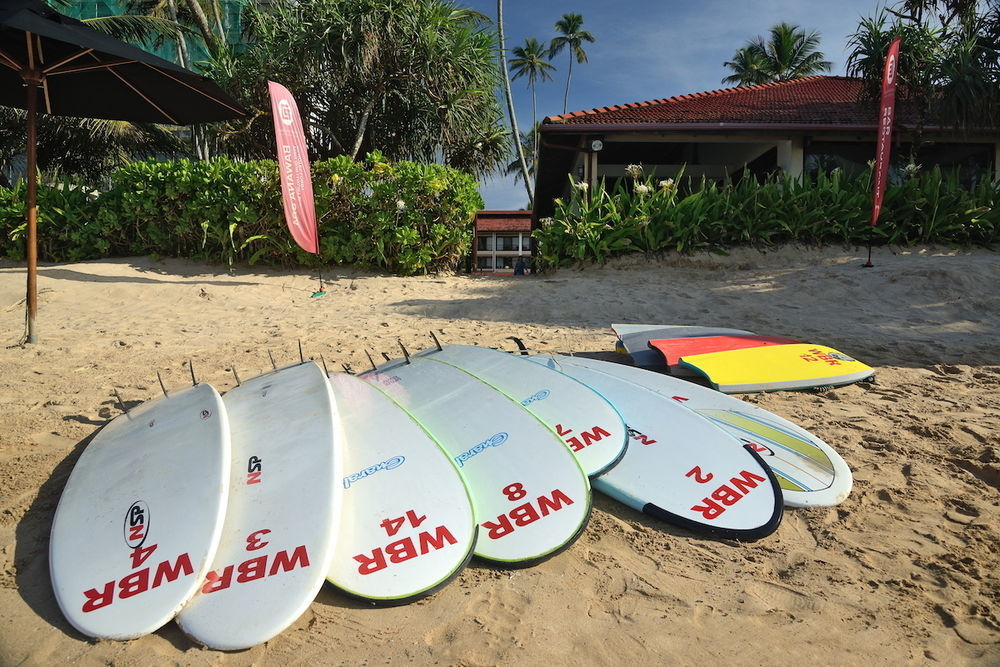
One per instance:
[(510, 105), (362, 127), (569, 75), (203, 27)]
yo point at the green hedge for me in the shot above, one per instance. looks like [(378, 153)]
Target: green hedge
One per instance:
[(649, 217), (401, 217)]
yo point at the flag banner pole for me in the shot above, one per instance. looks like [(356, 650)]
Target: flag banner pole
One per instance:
[(887, 111), (293, 166)]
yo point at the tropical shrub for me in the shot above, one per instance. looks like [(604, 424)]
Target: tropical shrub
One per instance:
[(640, 215), (401, 217)]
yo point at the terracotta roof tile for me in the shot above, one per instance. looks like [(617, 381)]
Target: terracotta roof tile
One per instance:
[(821, 100)]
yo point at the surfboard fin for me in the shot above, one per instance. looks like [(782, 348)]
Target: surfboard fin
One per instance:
[(194, 380), (371, 361), (325, 369), (406, 354), (162, 387), (519, 343), (302, 357), (437, 342), (271, 357), (386, 356), (121, 403), (236, 375)]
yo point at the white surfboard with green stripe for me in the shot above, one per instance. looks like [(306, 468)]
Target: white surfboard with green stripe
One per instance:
[(530, 496), (809, 472)]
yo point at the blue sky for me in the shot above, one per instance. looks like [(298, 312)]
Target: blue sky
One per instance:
[(651, 49)]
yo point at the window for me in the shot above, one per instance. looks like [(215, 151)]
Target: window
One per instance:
[(485, 242), (484, 263)]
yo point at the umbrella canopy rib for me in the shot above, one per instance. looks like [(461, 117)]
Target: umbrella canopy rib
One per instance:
[(5, 59), (200, 92), (67, 59), (148, 101)]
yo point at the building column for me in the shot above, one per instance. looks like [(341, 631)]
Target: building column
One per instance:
[(791, 157)]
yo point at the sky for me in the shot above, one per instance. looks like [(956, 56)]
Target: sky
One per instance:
[(652, 49)]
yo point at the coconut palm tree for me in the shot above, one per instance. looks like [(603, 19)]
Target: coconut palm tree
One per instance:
[(788, 53), (750, 67), (571, 37), (528, 61), (514, 132)]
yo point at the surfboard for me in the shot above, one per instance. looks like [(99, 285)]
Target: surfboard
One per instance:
[(530, 496), (407, 527), (586, 421), (809, 471), (633, 339), (672, 349), (801, 366), (681, 468), (284, 500), (127, 548)]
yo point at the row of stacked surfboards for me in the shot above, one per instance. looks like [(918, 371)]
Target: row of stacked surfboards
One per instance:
[(230, 512), (737, 361)]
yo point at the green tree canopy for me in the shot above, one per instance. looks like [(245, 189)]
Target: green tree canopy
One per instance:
[(414, 80), (949, 60), (787, 53)]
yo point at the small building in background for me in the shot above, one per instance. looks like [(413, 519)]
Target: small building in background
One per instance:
[(503, 242)]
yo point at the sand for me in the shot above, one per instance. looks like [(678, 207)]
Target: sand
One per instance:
[(904, 571)]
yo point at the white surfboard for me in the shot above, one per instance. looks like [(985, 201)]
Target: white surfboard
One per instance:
[(586, 421), (633, 339), (407, 525), (809, 471), (531, 497), (283, 501), (140, 517), (680, 467)]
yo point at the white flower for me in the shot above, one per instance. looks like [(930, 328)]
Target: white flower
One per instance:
[(634, 170), (400, 205), (641, 189), (668, 184), (912, 169), (582, 186)]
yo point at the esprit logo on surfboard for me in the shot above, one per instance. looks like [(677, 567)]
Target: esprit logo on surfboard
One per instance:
[(388, 464), (537, 396), (494, 440), (136, 524)]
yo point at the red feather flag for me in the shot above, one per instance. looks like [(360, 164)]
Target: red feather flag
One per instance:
[(887, 111), (293, 163)]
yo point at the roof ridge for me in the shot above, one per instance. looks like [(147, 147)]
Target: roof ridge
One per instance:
[(688, 96)]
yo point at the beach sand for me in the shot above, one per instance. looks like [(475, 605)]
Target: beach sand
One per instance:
[(905, 571)]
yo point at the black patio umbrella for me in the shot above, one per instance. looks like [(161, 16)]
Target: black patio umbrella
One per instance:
[(58, 65)]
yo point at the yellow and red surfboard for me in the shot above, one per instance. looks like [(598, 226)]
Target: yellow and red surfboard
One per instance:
[(775, 367)]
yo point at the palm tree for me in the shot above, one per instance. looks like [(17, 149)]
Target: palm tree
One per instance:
[(514, 132), (788, 53), (949, 62), (514, 168), (571, 36), (528, 61), (92, 148), (750, 67)]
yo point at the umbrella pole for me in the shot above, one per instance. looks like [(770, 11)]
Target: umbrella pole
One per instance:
[(32, 206)]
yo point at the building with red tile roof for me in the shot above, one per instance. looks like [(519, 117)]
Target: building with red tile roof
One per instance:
[(503, 242), (793, 126)]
